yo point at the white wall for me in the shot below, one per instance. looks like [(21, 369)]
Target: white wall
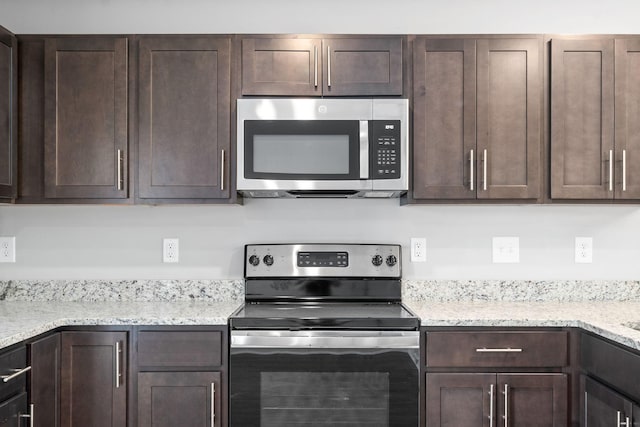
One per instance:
[(124, 242)]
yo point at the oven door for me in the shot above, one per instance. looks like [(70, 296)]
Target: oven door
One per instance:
[(324, 378)]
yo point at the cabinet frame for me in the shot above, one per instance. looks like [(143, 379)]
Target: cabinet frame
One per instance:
[(9, 148)]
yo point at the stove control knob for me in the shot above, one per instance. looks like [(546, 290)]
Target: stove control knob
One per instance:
[(391, 260), (268, 260), (254, 260), (376, 260)]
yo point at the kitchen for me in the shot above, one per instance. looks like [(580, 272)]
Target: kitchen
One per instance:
[(100, 247)]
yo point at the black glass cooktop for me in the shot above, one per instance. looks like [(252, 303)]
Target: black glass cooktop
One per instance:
[(324, 315)]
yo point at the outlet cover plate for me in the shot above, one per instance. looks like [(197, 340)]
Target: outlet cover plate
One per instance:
[(584, 250), (8, 249), (170, 250), (506, 250), (418, 249)]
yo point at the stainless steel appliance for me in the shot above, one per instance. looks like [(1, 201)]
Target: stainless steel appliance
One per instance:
[(323, 339), (323, 147)]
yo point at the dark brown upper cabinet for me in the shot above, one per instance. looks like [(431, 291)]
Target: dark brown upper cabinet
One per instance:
[(477, 118), (184, 118), (8, 115), (363, 66), (85, 118)]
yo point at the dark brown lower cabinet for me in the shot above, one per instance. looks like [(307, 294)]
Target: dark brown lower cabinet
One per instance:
[(604, 407), (11, 411), (491, 400), (45, 381), (167, 399), (93, 379)]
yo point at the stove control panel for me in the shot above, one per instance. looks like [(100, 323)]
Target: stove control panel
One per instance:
[(322, 260)]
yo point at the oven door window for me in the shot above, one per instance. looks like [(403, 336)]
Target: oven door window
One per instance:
[(302, 149), (296, 387)]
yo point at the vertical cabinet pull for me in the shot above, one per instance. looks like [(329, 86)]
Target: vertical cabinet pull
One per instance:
[(315, 66), (490, 405), (120, 182), (329, 66), (484, 170), (222, 164), (506, 405), (626, 423), (624, 170), (118, 374), (610, 170), (213, 404), (30, 416), (471, 163)]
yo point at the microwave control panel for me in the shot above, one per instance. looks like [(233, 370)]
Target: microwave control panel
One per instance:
[(384, 149)]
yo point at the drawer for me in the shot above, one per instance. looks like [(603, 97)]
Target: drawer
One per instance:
[(179, 348), (12, 362), (497, 349), (11, 410)]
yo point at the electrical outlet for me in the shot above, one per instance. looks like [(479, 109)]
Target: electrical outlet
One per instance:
[(506, 250), (418, 249), (584, 250), (170, 250), (7, 249)]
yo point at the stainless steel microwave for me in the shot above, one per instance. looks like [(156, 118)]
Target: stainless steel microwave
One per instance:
[(323, 147)]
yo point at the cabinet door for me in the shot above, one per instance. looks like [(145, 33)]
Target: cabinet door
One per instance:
[(535, 400), (11, 411), (362, 66), (167, 399), (280, 66), (460, 400), (627, 136), (601, 405), (508, 122), (582, 119), (636, 416), (184, 118), (93, 379), (8, 115), (85, 147), (45, 381), (444, 141)]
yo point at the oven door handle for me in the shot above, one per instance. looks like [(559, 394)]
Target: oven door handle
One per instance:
[(326, 339)]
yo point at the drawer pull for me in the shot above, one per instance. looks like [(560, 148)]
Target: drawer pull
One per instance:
[(16, 373), (29, 415), (498, 350)]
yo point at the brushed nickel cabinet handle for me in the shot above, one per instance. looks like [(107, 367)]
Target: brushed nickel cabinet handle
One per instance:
[(506, 405), (16, 373), (498, 350), (119, 154), (222, 164), (315, 66), (471, 163), (626, 423), (117, 364), (484, 170), (610, 170), (490, 405), (213, 404), (328, 66), (30, 416), (624, 170)]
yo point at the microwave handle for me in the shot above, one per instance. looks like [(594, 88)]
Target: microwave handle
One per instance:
[(364, 149)]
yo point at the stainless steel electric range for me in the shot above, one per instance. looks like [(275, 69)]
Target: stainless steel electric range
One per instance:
[(323, 339)]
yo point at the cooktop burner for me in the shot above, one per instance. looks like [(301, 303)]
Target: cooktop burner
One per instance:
[(324, 316)]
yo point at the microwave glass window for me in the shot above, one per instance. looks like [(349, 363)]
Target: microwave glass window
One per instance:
[(301, 154)]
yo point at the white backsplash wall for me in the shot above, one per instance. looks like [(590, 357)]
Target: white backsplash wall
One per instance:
[(124, 242)]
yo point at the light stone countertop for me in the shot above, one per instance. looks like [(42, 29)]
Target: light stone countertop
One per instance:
[(609, 319), (21, 320)]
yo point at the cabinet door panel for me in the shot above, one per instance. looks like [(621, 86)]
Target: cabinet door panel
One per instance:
[(11, 409), (535, 400), (627, 138), (460, 400), (444, 119), (601, 405), (582, 127), (281, 66), (508, 123), (85, 118), (362, 66), (45, 380), (8, 115), (167, 399), (90, 393), (184, 117)]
